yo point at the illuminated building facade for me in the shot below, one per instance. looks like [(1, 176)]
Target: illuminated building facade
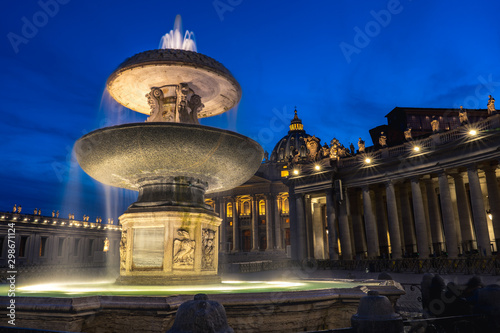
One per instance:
[(431, 193)]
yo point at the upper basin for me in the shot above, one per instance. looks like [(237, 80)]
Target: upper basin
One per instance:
[(126, 155), (134, 78)]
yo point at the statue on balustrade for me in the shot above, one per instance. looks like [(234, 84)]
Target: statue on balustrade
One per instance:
[(334, 149), (408, 136), (14, 209), (462, 116), (351, 147), (435, 124), (361, 146), (491, 106), (382, 140), (325, 151), (313, 146)]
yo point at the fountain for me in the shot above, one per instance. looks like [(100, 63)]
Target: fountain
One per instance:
[(169, 245), (170, 236)]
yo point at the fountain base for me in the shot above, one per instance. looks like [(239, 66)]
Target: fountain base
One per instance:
[(169, 247)]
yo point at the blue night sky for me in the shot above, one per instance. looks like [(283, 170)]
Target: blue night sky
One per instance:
[(344, 64)]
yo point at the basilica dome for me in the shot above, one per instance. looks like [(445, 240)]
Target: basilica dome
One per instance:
[(294, 144)]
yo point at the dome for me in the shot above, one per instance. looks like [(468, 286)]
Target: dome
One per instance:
[(295, 142)]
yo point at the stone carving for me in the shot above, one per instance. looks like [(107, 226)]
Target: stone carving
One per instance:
[(266, 156), (351, 147), (382, 140), (123, 249), (325, 151), (334, 148), (313, 146), (435, 125), (19, 208), (361, 146), (180, 104), (155, 101), (208, 242), (196, 106), (408, 136), (462, 116), (491, 105), (184, 249), (14, 209)]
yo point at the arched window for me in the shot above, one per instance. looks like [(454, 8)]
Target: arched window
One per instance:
[(229, 209), (246, 208), (262, 207)]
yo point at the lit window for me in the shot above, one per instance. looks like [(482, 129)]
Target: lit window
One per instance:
[(284, 173), (285, 206), (229, 209), (262, 207)]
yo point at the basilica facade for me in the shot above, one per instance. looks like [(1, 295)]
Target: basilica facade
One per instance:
[(428, 187)]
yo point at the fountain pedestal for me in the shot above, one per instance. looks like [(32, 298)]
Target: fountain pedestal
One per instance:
[(169, 247)]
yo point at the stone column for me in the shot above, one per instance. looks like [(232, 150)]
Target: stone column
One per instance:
[(408, 224), (370, 225), (434, 216), (223, 226), (269, 223), (463, 213), (308, 226), (478, 212), (255, 224), (277, 224), (236, 227), (420, 222), (381, 218), (294, 225), (450, 232), (333, 251), (318, 232), (301, 226), (494, 199), (344, 231), (357, 224), (392, 214)]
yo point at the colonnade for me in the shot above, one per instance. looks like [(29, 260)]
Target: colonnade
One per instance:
[(267, 225), (449, 212)]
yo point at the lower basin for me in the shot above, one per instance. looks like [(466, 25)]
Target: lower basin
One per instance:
[(251, 306)]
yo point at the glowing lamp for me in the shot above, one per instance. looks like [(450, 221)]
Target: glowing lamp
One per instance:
[(472, 132), (317, 167), (295, 172), (368, 160), (416, 148)]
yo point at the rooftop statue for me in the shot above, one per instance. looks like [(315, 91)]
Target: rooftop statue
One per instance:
[(408, 136), (435, 124), (361, 146), (382, 140), (462, 116), (491, 105)]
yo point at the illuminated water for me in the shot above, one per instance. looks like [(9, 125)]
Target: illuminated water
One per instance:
[(174, 39), (108, 288)]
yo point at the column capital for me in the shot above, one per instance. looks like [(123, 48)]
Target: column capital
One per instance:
[(365, 187), (415, 179), (471, 167), (489, 167)]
